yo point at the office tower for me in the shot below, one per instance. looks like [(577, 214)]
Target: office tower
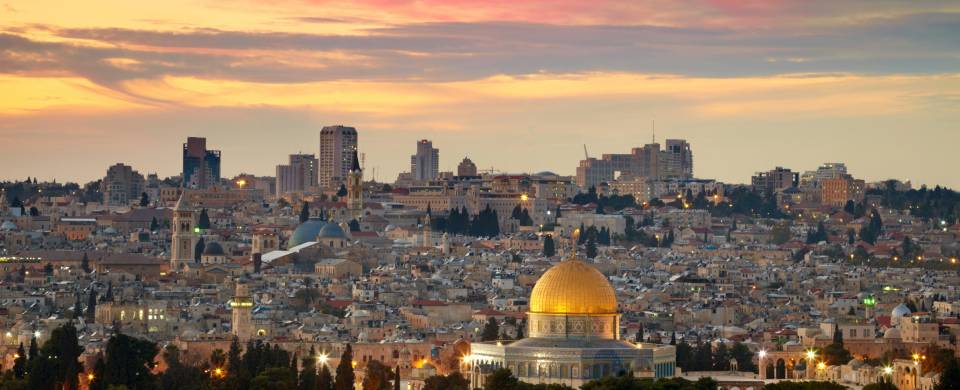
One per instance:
[(648, 161), (201, 167), (301, 174), (466, 168), (337, 144), (678, 160), (426, 163), (121, 186), (775, 180)]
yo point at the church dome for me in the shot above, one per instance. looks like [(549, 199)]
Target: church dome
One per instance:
[(306, 232), (892, 333), (573, 287), (332, 230), (900, 311), (213, 249)]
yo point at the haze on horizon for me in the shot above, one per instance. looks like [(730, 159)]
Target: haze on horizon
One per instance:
[(518, 86)]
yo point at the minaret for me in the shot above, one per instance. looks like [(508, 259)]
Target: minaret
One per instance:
[(184, 239), (355, 188), (242, 305)]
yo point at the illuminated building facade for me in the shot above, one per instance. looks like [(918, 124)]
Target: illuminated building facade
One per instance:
[(574, 335)]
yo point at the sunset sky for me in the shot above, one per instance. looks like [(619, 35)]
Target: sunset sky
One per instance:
[(520, 86)]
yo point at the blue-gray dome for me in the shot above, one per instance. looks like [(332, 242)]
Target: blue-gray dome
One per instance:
[(900, 311), (332, 230), (213, 249), (306, 232)]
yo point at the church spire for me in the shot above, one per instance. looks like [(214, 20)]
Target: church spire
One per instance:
[(356, 162)]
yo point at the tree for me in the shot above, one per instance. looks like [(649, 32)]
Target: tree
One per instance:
[(345, 376), (744, 357), (77, 308), (703, 357), (354, 225), (99, 368), (304, 212), (20, 363), (56, 364), (34, 211), (34, 351), (91, 314), (129, 361), (179, 376), (721, 358), (198, 250), (308, 375), (548, 246), (377, 376), (154, 224), (396, 378), (325, 379), (454, 381), (342, 191), (883, 384), (629, 382), (639, 336), (591, 249), (810, 385), (835, 354), (273, 378), (500, 379), (949, 377), (203, 222), (144, 199), (491, 331), (85, 263)]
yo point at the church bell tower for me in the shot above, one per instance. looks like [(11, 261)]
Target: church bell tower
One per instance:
[(184, 238), (355, 188)]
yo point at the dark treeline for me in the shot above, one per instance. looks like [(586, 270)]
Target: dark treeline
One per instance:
[(484, 224)]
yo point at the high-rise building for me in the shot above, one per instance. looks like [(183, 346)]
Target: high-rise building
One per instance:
[(648, 161), (300, 174), (201, 167), (121, 186), (337, 144), (466, 168), (425, 165), (775, 180)]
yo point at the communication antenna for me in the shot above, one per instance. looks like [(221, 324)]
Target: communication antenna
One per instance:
[(653, 128)]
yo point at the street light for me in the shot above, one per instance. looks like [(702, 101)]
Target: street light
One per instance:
[(761, 354), (322, 359)]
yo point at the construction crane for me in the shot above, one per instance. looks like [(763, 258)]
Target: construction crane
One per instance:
[(586, 156)]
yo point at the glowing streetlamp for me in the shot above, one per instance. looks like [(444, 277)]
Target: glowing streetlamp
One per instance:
[(322, 359), (761, 355)]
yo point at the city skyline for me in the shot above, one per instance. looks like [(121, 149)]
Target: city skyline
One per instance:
[(752, 85)]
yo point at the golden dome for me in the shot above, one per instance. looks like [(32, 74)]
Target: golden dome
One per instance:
[(573, 287)]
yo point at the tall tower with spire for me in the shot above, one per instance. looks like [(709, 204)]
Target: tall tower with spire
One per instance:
[(355, 187), (184, 239)]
